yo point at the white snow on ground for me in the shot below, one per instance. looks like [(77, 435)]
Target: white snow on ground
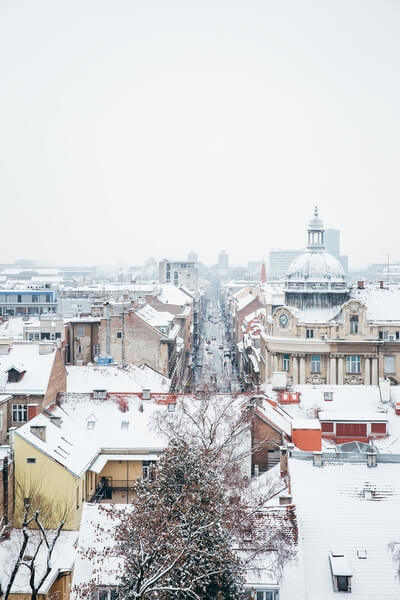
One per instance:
[(333, 514)]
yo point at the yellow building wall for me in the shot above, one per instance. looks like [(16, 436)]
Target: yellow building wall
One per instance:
[(48, 481), (121, 470)]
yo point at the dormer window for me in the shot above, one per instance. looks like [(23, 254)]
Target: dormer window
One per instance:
[(124, 425), (341, 572), (99, 394), (354, 324), (14, 374)]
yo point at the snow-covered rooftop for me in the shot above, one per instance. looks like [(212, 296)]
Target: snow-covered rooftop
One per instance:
[(13, 328), (171, 294), (154, 317), (37, 368), (242, 302), (333, 513), (96, 570), (76, 444), (383, 305), (113, 378), (62, 559)]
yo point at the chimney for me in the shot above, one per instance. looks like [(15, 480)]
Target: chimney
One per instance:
[(360, 285), (283, 460), (371, 459), (56, 420), (39, 431), (10, 436), (285, 499), (381, 284), (317, 459), (33, 410)]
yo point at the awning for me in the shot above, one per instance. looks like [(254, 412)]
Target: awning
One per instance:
[(103, 459)]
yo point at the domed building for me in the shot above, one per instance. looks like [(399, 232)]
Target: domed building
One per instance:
[(316, 278), (327, 332)]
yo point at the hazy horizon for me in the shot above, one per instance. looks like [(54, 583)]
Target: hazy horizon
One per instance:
[(136, 129)]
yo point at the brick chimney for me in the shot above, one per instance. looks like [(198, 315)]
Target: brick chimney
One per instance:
[(33, 410), (381, 284), (283, 460)]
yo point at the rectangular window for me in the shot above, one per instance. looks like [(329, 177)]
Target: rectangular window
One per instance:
[(353, 324), (118, 335), (383, 335), (327, 427), (176, 277), (34, 335), (80, 331), (48, 298), (397, 335), (351, 429), (79, 349), (378, 427), (31, 461), (35, 298), (309, 333), (19, 413), (96, 350), (19, 298), (285, 362), (389, 364), (315, 364), (353, 364), (328, 396)]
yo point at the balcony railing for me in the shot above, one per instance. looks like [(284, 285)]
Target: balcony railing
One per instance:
[(105, 488)]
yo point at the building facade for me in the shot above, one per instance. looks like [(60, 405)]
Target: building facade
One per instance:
[(327, 332), (180, 274)]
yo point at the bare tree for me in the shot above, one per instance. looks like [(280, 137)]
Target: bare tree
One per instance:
[(199, 524), (40, 545)]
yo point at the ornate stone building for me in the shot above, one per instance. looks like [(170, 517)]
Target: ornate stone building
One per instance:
[(327, 332)]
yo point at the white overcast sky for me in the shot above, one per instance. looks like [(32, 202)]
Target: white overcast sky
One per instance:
[(135, 128)]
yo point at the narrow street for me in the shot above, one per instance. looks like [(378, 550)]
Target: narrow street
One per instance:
[(214, 368)]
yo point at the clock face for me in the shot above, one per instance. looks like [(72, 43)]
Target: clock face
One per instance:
[(283, 320)]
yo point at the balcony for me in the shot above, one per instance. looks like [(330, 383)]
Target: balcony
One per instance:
[(116, 490)]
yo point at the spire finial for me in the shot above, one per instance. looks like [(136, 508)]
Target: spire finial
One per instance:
[(315, 211)]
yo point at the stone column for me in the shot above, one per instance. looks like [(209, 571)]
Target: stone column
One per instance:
[(332, 370), (295, 362), (367, 371), (340, 370), (374, 370), (325, 361), (302, 369), (275, 363)]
